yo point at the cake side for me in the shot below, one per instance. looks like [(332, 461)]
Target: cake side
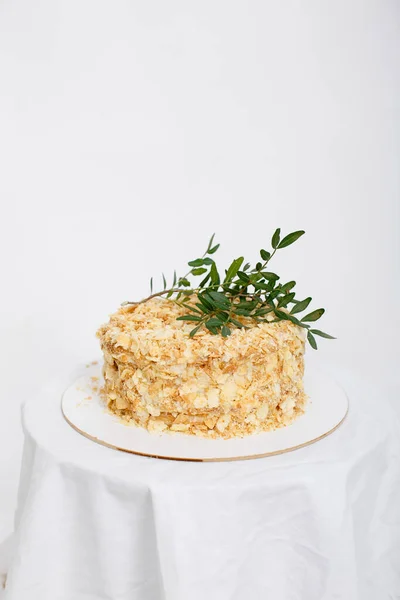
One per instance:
[(163, 380)]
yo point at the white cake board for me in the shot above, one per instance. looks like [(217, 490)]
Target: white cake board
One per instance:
[(86, 412)]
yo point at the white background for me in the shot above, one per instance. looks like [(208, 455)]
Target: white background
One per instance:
[(130, 131)]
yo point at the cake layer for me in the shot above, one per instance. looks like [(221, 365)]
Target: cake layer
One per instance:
[(208, 385)]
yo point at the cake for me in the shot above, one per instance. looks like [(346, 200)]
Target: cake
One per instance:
[(159, 378), (222, 358)]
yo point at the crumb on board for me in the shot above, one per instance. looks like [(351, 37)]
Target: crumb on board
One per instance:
[(94, 362)]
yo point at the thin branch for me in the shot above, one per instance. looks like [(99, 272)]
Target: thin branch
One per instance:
[(172, 290)]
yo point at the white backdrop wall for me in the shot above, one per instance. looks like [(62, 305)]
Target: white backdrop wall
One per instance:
[(130, 131)]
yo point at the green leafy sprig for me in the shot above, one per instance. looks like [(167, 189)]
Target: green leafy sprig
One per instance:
[(219, 301)]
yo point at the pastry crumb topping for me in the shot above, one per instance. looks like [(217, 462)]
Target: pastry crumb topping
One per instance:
[(159, 378)]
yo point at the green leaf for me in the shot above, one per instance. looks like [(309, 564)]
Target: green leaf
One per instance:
[(243, 312), (245, 308), (223, 316), (322, 334), (268, 275), (238, 288), (243, 276), (210, 243), (164, 281), (174, 281), (203, 308), (246, 267), (189, 318), (219, 306), (260, 285), (273, 295), (300, 306), (196, 263), (285, 300), (226, 332), (271, 286), (249, 304), (218, 297), (312, 340), (183, 281), (194, 331), (234, 268), (208, 261), (213, 249), (214, 330), (276, 238), (215, 279), (286, 287), (283, 316), (265, 255), (290, 239), (192, 308), (214, 322), (206, 303), (205, 280), (151, 285), (199, 271), (297, 322), (237, 323), (258, 266), (315, 315), (262, 311)]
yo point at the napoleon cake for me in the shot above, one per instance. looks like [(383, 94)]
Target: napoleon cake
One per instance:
[(219, 359)]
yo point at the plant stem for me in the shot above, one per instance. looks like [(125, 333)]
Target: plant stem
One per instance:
[(153, 296)]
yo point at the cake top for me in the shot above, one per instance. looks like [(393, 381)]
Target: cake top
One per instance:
[(152, 330), (231, 302)]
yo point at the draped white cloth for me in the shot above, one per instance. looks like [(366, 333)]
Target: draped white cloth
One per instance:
[(320, 523)]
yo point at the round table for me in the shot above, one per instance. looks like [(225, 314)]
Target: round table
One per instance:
[(319, 523)]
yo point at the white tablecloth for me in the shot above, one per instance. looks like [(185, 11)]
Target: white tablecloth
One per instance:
[(320, 523)]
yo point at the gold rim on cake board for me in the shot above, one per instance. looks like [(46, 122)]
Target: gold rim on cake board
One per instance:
[(228, 459)]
